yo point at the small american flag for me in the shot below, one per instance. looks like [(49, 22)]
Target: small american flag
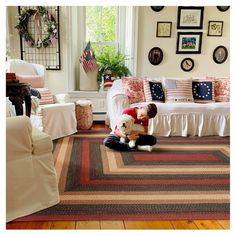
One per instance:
[(88, 59)]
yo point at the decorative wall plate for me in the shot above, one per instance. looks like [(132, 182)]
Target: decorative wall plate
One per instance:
[(220, 54), (155, 56), (187, 64), (223, 8), (157, 8)]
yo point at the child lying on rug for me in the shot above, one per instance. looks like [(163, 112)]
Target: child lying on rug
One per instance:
[(143, 141)]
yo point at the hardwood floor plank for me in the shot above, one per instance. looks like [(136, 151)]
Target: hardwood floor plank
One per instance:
[(63, 225), (87, 224), (149, 224), (39, 225), (208, 224), (224, 223), (17, 225), (184, 224), (112, 224)]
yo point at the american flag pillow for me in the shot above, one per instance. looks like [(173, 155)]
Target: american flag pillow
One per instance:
[(46, 96), (203, 90), (178, 90), (153, 91)]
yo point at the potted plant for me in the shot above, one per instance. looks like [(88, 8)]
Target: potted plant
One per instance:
[(113, 63)]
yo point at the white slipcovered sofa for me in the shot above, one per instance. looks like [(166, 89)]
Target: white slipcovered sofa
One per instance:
[(31, 182), (174, 119)]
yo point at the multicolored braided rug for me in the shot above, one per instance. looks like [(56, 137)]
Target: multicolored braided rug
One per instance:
[(182, 178)]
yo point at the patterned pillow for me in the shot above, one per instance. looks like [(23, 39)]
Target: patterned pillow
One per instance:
[(153, 91), (46, 96), (221, 89), (133, 87), (178, 90), (203, 90)]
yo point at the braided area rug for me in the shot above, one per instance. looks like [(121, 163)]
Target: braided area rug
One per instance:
[(182, 178)]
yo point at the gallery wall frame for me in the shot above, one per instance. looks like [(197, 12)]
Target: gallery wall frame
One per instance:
[(215, 28), (164, 29), (223, 8), (220, 54), (157, 8), (155, 56), (190, 17), (189, 43)]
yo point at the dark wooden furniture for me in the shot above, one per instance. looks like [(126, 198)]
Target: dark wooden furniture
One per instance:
[(18, 93)]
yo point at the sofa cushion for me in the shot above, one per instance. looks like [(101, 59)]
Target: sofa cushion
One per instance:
[(46, 96), (203, 90), (153, 91), (178, 90), (133, 88), (222, 89)]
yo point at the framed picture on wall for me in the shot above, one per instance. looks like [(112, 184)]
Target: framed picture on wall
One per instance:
[(157, 8), (164, 29), (215, 28), (220, 54), (189, 42), (190, 17)]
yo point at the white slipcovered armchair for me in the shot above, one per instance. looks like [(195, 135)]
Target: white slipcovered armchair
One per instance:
[(31, 183), (53, 116)]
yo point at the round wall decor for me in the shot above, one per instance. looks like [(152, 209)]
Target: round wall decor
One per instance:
[(155, 56), (220, 54), (187, 64), (223, 8), (157, 8)]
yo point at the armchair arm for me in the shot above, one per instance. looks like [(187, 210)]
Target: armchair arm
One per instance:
[(40, 69), (18, 137)]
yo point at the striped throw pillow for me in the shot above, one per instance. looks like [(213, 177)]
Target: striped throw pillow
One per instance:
[(178, 90), (46, 96), (153, 91), (203, 90)]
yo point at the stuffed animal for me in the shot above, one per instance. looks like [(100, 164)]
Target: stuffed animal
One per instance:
[(126, 126)]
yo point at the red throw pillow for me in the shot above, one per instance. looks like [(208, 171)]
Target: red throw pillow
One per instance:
[(133, 87)]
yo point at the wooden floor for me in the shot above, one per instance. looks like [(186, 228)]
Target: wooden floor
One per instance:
[(122, 224)]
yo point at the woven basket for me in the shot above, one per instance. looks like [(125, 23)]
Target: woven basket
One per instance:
[(84, 114)]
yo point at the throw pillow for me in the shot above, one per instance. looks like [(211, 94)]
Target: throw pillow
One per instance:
[(36, 81), (133, 88), (178, 90), (153, 91), (35, 93), (46, 96), (221, 89), (203, 90)]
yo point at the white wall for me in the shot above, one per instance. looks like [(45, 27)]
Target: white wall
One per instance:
[(170, 66), (66, 79)]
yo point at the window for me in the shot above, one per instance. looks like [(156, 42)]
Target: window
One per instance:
[(101, 22), (111, 27)]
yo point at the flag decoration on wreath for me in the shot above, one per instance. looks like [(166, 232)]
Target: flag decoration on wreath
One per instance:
[(87, 59)]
